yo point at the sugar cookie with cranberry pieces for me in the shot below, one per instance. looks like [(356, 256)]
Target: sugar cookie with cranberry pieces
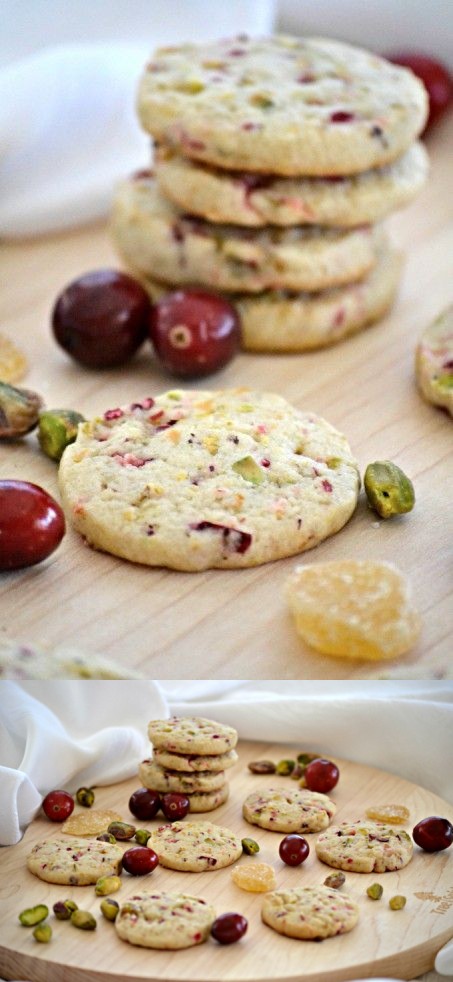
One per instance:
[(161, 779), (76, 862), (309, 913), (285, 105), (164, 920), (364, 847), (192, 735), (194, 480), (195, 762), (194, 847), (434, 361), (295, 810)]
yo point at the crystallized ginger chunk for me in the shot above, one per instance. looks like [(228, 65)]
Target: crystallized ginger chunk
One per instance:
[(353, 609), (255, 877)]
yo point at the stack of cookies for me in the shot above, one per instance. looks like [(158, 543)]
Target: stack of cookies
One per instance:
[(190, 756), (275, 161)]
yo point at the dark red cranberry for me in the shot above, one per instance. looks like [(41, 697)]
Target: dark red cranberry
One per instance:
[(144, 804), (294, 850), (139, 860), (433, 834), (193, 332), (32, 524), (101, 318), (321, 775), (58, 805), (435, 77), (341, 116), (175, 806), (229, 928), (234, 540)]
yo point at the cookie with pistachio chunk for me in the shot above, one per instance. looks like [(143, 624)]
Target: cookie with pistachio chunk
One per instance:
[(293, 810), (285, 105), (192, 735), (364, 847), (164, 920), (162, 779), (191, 763), (76, 862), (198, 479), (434, 361), (194, 847), (309, 913)]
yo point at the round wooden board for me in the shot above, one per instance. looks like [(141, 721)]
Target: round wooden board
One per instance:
[(402, 943)]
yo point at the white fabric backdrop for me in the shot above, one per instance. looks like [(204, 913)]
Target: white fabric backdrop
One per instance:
[(65, 734)]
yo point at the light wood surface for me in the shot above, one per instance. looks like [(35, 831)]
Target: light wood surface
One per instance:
[(400, 944), (220, 624)]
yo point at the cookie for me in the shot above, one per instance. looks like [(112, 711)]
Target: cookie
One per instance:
[(74, 863), (310, 913), (193, 847), (364, 847), (157, 240), (26, 661), (281, 321), (194, 480), (434, 361), (164, 920), (256, 199), (159, 779), (288, 810), (195, 762), (208, 801), (192, 735), (284, 105)]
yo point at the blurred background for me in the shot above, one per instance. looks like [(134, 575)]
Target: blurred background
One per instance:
[(68, 76)]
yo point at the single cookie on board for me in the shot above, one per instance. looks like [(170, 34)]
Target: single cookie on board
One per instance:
[(364, 847), (195, 762), (282, 105), (309, 912), (164, 920), (193, 480), (289, 811), (74, 863), (208, 801), (192, 735), (434, 361), (155, 777), (26, 661), (155, 239), (258, 199), (193, 847), (282, 321)]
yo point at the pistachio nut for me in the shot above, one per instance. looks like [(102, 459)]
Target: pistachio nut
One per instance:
[(397, 903), (43, 933), (110, 909), (85, 797), (33, 915), (388, 489), (19, 410), (250, 847), (63, 909), (121, 830), (83, 920), (57, 429), (375, 891), (107, 884)]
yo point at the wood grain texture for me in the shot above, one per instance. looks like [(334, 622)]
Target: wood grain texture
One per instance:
[(401, 944), (156, 619)]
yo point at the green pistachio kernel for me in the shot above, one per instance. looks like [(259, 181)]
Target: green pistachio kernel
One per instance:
[(335, 881), (107, 884), (142, 836), (63, 909), (83, 920), (375, 891), (85, 797), (34, 915), (388, 489), (285, 767), (106, 837), (43, 933), (306, 759), (249, 470), (443, 382), (121, 830), (261, 100), (19, 410), (250, 847), (297, 772), (57, 429), (334, 463), (110, 909), (397, 903)]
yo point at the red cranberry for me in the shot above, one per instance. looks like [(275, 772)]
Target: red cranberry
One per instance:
[(435, 77), (294, 850), (58, 805), (433, 834), (321, 775), (139, 860), (32, 524), (101, 318), (229, 928), (341, 116), (175, 806), (194, 333), (234, 540), (144, 804)]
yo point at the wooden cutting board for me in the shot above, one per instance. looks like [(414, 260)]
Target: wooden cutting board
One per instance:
[(155, 619), (401, 943)]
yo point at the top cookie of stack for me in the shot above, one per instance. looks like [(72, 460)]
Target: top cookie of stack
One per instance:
[(190, 755), (312, 135)]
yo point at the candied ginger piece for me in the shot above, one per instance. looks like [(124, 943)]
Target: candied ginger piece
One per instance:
[(255, 877), (353, 609), (13, 364), (395, 814), (90, 823)]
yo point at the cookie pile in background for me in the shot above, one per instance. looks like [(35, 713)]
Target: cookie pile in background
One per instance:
[(275, 161), (190, 756)]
